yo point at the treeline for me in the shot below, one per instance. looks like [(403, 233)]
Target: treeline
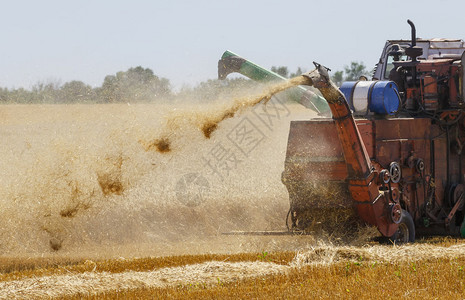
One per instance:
[(350, 73), (135, 84), (142, 85)]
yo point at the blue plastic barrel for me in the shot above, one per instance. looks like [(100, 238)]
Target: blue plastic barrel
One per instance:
[(385, 98), (347, 88), (380, 97)]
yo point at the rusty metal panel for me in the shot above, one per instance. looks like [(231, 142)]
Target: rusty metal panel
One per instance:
[(365, 127), (313, 139), (314, 152), (387, 152), (397, 139), (393, 129), (440, 167), (312, 170)]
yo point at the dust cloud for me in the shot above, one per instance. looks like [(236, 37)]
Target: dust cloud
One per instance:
[(209, 121), (82, 178)]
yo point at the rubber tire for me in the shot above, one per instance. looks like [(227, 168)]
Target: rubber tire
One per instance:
[(406, 231)]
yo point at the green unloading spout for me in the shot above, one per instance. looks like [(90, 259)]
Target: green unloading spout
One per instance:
[(231, 62)]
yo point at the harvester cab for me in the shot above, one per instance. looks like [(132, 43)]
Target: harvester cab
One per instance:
[(391, 155)]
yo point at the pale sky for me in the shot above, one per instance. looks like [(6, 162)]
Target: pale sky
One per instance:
[(58, 40)]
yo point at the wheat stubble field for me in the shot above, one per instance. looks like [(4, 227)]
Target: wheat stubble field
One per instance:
[(89, 209)]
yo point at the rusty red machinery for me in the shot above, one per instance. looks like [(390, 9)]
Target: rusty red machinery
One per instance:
[(391, 155), (396, 150)]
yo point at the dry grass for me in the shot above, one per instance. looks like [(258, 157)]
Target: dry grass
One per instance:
[(431, 268), (19, 268), (439, 279)]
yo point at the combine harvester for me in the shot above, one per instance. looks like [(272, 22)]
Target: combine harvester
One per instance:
[(391, 156)]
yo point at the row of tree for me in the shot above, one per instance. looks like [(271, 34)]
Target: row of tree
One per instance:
[(351, 73), (135, 84), (141, 84)]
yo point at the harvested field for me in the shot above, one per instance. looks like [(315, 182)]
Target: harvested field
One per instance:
[(88, 209), (428, 267)]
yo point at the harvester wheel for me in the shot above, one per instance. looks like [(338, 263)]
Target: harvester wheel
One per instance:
[(406, 231)]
